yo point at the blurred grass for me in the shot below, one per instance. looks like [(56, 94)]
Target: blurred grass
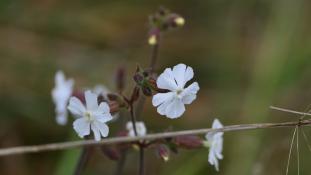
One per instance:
[(247, 55)]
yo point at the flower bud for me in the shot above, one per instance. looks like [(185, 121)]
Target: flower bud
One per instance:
[(147, 91), (179, 21), (188, 141), (114, 106), (152, 40), (111, 152), (163, 152), (120, 79)]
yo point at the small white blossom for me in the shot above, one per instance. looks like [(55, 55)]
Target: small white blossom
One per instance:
[(215, 144), (101, 90), (60, 95), (140, 127), (92, 116), (172, 103)]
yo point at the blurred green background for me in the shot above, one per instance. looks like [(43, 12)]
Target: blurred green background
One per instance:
[(246, 54)]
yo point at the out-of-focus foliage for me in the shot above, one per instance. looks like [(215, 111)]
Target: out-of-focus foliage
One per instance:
[(246, 54)]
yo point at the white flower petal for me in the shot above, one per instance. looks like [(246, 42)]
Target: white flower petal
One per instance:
[(140, 127), (103, 128), (175, 109), (102, 117), (60, 95), (96, 132), (217, 124), (160, 98), (61, 118), (91, 100), (82, 127), (76, 107), (189, 94), (182, 74), (215, 140), (179, 74), (166, 80), (103, 108)]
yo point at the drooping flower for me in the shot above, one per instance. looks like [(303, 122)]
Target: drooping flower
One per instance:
[(140, 127), (60, 95), (215, 144), (172, 103), (90, 117)]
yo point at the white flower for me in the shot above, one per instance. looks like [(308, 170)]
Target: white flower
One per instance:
[(140, 127), (92, 116), (101, 90), (61, 94), (172, 103), (215, 144)]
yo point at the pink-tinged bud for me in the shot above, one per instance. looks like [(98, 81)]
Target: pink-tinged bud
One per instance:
[(114, 106), (111, 152), (188, 141), (79, 95), (138, 78), (147, 91), (120, 78), (163, 152)]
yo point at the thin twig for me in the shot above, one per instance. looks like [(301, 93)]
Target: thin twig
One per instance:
[(290, 111), (297, 149), (306, 139), (117, 140), (141, 161), (290, 150)]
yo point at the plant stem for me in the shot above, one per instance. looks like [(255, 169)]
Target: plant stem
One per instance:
[(82, 161), (154, 56), (117, 140), (121, 163), (141, 161)]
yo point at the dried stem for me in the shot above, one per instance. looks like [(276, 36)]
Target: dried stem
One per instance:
[(289, 111), (117, 140), (82, 160)]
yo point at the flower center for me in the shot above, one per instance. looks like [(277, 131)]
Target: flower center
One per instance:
[(88, 115), (178, 92)]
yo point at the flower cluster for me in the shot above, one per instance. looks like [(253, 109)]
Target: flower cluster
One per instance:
[(171, 91)]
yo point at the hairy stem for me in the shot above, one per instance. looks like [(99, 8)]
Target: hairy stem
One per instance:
[(154, 56), (121, 164)]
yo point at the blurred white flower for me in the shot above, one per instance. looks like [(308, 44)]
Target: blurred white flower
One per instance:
[(101, 90), (172, 103), (92, 116), (140, 127), (215, 144), (60, 95)]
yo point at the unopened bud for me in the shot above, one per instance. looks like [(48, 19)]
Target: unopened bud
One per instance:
[(138, 78), (179, 21), (147, 91), (163, 152), (111, 152), (120, 79), (188, 141), (114, 106), (152, 40)]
